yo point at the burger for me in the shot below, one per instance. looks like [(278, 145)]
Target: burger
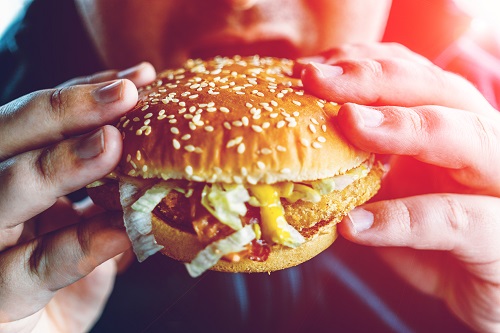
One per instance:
[(229, 165)]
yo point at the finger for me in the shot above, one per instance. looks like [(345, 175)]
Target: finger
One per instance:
[(141, 75), (467, 226), (392, 82), (32, 182), (32, 274), (429, 133), (360, 51), (46, 117)]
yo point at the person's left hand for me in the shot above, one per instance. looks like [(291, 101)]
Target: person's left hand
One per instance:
[(438, 225)]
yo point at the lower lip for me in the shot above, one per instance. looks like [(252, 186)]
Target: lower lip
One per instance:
[(274, 48)]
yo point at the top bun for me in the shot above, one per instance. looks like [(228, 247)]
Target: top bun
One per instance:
[(233, 120)]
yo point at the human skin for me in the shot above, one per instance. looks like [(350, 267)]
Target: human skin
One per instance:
[(456, 192)]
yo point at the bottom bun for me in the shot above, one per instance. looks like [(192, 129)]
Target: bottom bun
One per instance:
[(184, 246)]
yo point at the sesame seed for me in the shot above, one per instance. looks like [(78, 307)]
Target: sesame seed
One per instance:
[(280, 124), (261, 165), (296, 103), (148, 130), (234, 142), (227, 125), (237, 123), (129, 158), (182, 103), (296, 113), (312, 128), (240, 93), (171, 121), (174, 130), (193, 96), (197, 118), (305, 142), (197, 178), (245, 120), (241, 148), (136, 119), (248, 105), (189, 148), (138, 132), (192, 126), (126, 123), (266, 151), (323, 127), (314, 121), (257, 128), (224, 109), (292, 124), (209, 128), (274, 103), (189, 170), (149, 115), (285, 170), (186, 137), (321, 139), (176, 144), (211, 109), (316, 145), (274, 115), (266, 125), (147, 122), (132, 163), (280, 148), (145, 107), (321, 105), (144, 168)]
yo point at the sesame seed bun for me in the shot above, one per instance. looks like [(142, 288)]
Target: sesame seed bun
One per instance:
[(239, 121)]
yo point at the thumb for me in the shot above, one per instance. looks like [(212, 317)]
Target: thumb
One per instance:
[(465, 225)]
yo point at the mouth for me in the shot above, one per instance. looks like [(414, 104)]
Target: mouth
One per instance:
[(273, 48)]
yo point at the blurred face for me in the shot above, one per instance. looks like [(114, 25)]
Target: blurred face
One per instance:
[(166, 32)]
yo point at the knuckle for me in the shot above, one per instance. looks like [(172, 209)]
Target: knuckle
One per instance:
[(59, 104), (84, 236), (456, 214), (45, 164), (485, 131)]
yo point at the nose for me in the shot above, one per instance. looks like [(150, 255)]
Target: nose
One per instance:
[(241, 4)]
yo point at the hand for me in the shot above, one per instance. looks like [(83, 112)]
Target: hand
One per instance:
[(439, 223), (55, 272)]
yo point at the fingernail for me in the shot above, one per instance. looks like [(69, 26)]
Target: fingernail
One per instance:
[(361, 219), (371, 117), (91, 146), (129, 71), (307, 60), (326, 71), (109, 92)]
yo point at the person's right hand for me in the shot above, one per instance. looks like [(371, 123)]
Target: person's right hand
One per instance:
[(55, 272)]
